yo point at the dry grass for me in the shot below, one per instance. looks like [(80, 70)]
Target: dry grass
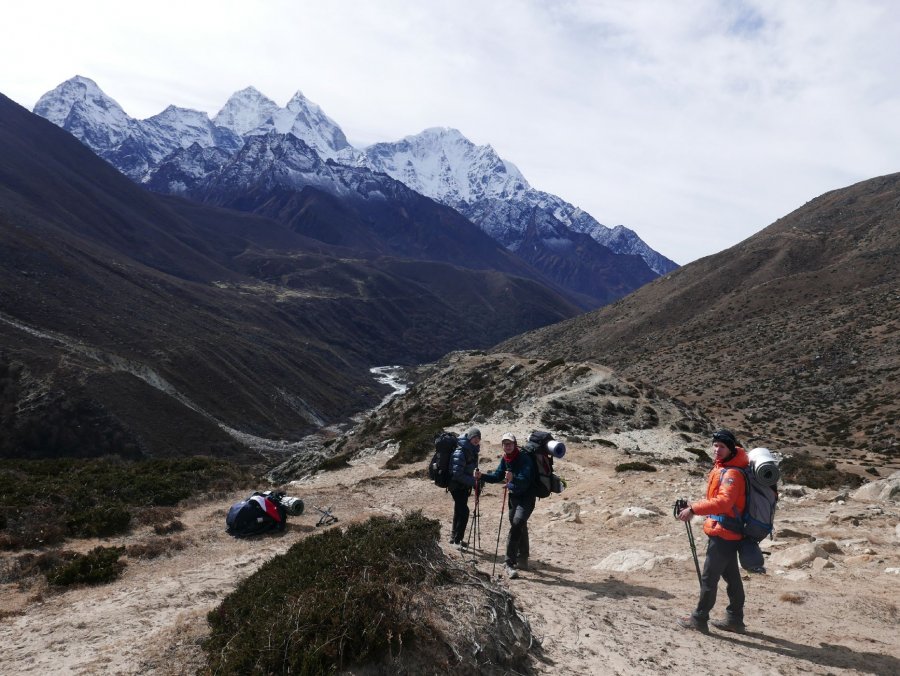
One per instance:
[(792, 597)]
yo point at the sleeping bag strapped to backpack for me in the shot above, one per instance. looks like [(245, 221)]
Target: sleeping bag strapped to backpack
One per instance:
[(439, 466), (538, 447), (257, 514)]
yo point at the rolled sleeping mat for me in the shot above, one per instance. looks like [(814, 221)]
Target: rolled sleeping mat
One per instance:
[(557, 448), (764, 466)]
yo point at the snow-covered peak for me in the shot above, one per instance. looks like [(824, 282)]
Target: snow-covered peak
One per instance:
[(81, 107), (245, 111), (443, 164), (307, 121)]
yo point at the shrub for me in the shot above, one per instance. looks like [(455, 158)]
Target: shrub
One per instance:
[(801, 469), (45, 501), (635, 467), (334, 600), (98, 566), (99, 522), (171, 527)]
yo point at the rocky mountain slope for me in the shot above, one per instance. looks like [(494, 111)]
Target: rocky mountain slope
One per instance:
[(791, 336), (610, 568)]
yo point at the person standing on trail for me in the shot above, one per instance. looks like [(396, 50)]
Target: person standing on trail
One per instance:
[(464, 476), (516, 471), (724, 504)]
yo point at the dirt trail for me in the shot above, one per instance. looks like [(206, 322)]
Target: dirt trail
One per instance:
[(837, 615)]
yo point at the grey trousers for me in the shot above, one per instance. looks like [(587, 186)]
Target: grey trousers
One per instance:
[(721, 562)]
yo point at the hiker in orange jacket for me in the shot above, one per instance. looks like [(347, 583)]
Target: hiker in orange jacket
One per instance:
[(726, 497)]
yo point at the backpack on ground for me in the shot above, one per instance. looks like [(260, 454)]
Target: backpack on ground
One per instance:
[(257, 514), (758, 520), (439, 467), (537, 447)]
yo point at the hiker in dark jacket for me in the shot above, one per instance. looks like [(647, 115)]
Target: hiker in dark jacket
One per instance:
[(464, 476), (724, 504), (516, 470)]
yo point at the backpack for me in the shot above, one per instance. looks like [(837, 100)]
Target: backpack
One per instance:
[(757, 521), (257, 514), (545, 481), (439, 465)]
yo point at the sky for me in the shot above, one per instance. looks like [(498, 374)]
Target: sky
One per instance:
[(696, 123)]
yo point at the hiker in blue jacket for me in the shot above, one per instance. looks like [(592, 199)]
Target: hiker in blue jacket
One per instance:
[(516, 470), (464, 476)]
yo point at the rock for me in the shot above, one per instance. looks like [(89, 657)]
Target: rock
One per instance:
[(629, 560), (788, 533), (897, 531), (892, 571), (792, 491), (638, 513), (881, 490), (568, 511), (830, 546), (798, 555), (858, 560), (819, 565)]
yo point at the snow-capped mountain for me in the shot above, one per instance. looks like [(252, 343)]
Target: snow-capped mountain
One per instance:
[(250, 113), (135, 147), (183, 151), (444, 165)]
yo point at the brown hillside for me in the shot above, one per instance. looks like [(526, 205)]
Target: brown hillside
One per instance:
[(791, 337)]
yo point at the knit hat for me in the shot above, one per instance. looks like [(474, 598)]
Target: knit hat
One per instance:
[(726, 437), (509, 436), (473, 432)]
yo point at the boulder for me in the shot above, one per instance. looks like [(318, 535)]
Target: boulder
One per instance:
[(798, 555), (881, 490), (639, 513)]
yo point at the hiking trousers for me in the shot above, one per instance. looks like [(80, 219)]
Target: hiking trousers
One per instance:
[(460, 514), (517, 545), (721, 562)]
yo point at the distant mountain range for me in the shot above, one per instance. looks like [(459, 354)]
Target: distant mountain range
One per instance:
[(140, 324), (251, 145)]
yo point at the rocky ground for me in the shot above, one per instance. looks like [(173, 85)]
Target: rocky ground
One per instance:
[(611, 570)]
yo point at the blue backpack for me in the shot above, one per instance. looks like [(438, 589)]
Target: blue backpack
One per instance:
[(257, 514), (758, 520)]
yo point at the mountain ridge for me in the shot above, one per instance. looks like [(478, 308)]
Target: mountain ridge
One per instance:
[(473, 177)]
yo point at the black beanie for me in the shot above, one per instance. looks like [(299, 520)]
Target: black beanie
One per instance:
[(726, 437)]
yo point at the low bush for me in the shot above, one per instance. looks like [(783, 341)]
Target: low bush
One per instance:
[(636, 466), (802, 469), (46, 501), (331, 601), (98, 566)]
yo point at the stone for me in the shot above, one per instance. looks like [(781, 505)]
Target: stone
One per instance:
[(798, 555), (881, 490), (818, 565), (629, 560)]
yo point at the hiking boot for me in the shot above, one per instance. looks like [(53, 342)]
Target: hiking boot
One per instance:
[(729, 625), (523, 563), (511, 573), (462, 545), (691, 622)]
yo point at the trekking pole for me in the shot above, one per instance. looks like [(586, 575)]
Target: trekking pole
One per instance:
[(474, 538), (499, 528), (679, 506)]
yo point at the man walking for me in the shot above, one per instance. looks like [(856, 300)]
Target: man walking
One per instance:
[(724, 504)]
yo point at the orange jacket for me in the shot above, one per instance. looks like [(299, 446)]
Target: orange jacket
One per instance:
[(725, 493)]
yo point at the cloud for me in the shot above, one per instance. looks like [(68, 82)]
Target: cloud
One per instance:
[(694, 123)]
